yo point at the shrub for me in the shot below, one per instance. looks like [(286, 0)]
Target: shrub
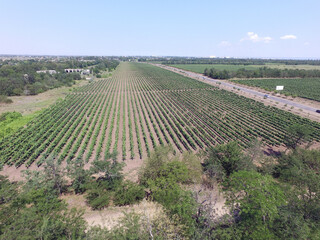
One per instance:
[(175, 171), (157, 159), (128, 193), (177, 202), (98, 198), (224, 159)]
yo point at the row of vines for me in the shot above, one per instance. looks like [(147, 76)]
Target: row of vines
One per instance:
[(138, 108)]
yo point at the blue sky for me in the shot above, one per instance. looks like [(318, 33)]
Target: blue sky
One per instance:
[(258, 29)]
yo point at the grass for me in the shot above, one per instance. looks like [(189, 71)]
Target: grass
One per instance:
[(199, 68), (9, 126), (27, 105), (30, 107)]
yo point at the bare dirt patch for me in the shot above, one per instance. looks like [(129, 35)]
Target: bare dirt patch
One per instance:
[(110, 216)]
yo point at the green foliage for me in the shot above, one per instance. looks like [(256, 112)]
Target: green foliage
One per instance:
[(109, 173), (35, 214), (176, 201), (290, 224), (6, 120), (80, 177), (12, 121), (51, 178), (170, 109), (194, 167), (8, 190), (128, 193), (301, 170), (175, 171), (296, 135), (163, 175), (97, 196), (257, 199), (162, 163), (205, 68), (21, 77), (262, 72), (223, 160), (157, 159), (109, 177), (9, 116)]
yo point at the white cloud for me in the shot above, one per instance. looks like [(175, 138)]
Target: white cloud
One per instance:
[(306, 43), (251, 36), (225, 44), (286, 37)]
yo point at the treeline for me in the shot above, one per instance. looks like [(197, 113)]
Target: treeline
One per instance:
[(263, 72), (17, 84), (233, 61), (105, 65), (21, 77)]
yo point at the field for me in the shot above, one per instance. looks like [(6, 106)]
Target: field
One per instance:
[(302, 87), (27, 105), (139, 107), (199, 68)]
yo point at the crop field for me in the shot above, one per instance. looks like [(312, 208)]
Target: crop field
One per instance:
[(302, 87), (199, 68), (139, 107)]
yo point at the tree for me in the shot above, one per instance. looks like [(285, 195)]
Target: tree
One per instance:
[(52, 178), (109, 172), (157, 159), (128, 193), (194, 167), (37, 215), (296, 135), (254, 200), (222, 160), (80, 177), (109, 177), (301, 169)]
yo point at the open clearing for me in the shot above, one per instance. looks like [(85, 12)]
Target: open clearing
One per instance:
[(142, 106), (31, 104)]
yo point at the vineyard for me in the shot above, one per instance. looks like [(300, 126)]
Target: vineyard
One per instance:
[(139, 107), (302, 87), (199, 68)]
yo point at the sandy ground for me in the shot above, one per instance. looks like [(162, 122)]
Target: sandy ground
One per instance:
[(110, 216)]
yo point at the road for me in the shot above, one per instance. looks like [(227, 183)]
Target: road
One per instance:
[(244, 89)]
